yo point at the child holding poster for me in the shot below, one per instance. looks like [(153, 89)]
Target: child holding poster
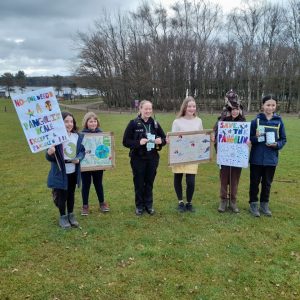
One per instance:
[(65, 171), (229, 175), (267, 136), (91, 124), (187, 120)]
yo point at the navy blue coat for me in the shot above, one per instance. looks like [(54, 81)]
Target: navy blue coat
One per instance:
[(261, 154), (58, 179)]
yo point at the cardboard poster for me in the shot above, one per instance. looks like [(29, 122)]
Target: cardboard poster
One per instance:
[(99, 151), (232, 139), (40, 118), (189, 147)]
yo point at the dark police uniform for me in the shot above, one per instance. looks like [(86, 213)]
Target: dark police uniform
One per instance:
[(144, 162)]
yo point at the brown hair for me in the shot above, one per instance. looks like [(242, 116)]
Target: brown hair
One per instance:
[(89, 115), (66, 114), (184, 106)]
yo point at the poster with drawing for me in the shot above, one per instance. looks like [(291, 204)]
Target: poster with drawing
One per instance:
[(232, 139), (99, 151), (40, 118), (189, 147)]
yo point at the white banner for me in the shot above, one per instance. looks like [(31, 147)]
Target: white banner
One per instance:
[(40, 118), (232, 140)]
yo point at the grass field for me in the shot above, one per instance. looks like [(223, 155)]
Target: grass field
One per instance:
[(203, 255)]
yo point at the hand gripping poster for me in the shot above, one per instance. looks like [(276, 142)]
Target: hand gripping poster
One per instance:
[(40, 118), (233, 139)]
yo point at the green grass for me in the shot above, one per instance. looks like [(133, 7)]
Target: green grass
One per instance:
[(205, 255)]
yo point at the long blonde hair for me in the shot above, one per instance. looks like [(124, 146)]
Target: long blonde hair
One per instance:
[(184, 106), (87, 116), (144, 102)]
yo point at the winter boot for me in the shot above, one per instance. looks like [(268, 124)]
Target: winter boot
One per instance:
[(233, 207), (254, 209), (72, 220), (222, 206), (264, 208), (64, 222)]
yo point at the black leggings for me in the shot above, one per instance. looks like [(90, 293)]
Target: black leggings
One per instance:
[(190, 186), (60, 196), (86, 178)]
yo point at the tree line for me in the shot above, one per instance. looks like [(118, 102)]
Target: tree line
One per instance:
[(192, 48), (21, 80)]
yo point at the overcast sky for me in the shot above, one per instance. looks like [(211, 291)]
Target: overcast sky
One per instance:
[(36, 35)]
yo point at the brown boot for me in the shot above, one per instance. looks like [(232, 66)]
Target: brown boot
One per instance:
[(233, 207), (222, 206)]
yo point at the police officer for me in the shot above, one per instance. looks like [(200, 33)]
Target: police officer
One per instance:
[(144, 137)]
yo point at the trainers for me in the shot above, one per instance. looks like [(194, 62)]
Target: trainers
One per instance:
[(189, 207), (85, 210), (139, 211), (150, 211), (64, 222), (72, 220), (104, 207), (181, 207)]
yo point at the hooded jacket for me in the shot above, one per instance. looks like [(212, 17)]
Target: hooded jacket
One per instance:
[(57, 178), (260, 153)]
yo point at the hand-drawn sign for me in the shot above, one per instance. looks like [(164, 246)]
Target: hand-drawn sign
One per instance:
[(99, 151), (189, 147), (233, 139)]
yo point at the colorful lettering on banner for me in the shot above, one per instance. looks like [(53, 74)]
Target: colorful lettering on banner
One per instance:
[(233, 139), (40, 118)]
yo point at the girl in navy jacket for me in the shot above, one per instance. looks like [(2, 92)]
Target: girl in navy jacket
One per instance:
[(65, 171), (267, 136)]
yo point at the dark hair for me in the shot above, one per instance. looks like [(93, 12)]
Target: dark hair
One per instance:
[(268, 97), (66, 114)]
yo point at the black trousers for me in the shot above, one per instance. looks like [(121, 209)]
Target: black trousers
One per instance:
[(190, 186), (86, 178), (61, 197), (144, 172), (264, 175)]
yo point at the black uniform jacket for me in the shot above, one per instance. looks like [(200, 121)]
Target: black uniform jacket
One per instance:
[(138, 129)]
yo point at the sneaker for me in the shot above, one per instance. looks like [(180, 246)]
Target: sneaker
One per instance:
[(189, 207), (150, 211), (85, 210), (104, 207), (139, 211), (181, 207)]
